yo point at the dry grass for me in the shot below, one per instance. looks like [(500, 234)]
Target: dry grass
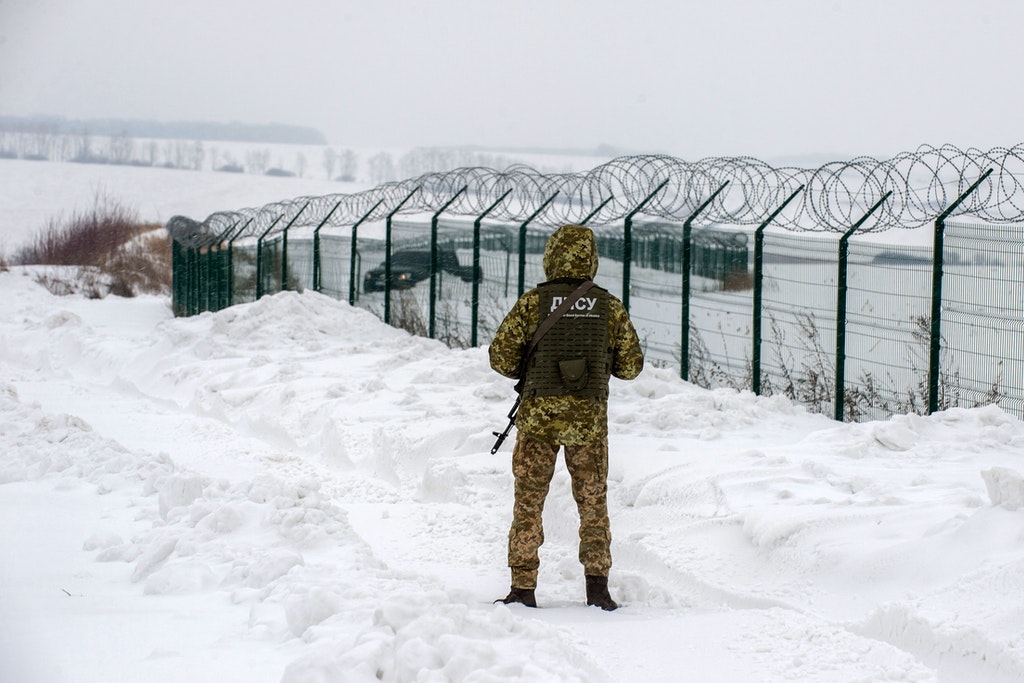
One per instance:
[(738, 281), (123, 256)]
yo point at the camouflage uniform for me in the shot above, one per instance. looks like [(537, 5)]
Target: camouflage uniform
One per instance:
[(545, 423), (533, 464)]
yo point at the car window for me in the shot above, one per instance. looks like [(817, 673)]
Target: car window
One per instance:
[(411, 257)]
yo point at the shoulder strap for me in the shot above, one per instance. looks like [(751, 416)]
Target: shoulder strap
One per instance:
[(547, 324)]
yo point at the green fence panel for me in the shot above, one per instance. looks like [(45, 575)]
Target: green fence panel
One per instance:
[(799, 317), (243, 261), (888, 310), (983, 324)]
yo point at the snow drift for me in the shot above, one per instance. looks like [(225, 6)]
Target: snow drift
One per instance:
[(290, 490)]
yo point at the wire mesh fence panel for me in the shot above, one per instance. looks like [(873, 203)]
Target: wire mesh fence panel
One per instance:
[(720, 337), (370, 270), (535, 239), (497, 276), (799, 311), (721, 308), (336, 266), (410, 276), (300, 262), (655, 308), (887, 343), (243, 267), (610, 249), (654, 301), (271, 254), (982, 323), (474, 286)]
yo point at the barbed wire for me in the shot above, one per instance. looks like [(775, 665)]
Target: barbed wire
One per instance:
[(921, 185)]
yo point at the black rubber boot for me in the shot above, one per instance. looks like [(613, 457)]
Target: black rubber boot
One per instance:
[(523, 596), (597, 593)]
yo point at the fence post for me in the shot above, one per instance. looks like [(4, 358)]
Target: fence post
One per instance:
[(589, 216), (316, 246), (217, 269), (259, 258), (387, 256), (433, 259), (684, 341), (205, 273), (218, 263), (352, 287), (210, 282), (284, 247), (627, 242), (522, 242), (841, 289), (193, 276), (755, 356), (475, 305), (179, 278), (935, 333)]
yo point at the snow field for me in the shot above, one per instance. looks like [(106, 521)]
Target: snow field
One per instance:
[(289, 490)]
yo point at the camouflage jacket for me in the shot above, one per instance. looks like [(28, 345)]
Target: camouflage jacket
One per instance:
[(571, 252)]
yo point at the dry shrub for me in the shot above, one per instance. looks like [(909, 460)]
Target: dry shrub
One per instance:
[(142, 265), (131, 257), (738, 281)]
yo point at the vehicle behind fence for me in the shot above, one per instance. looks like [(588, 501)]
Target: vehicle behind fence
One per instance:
[(845, 319)]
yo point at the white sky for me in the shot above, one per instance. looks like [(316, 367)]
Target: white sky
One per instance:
[(692, 79)]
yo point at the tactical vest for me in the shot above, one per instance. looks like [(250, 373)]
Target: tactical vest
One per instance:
[(573, 358)]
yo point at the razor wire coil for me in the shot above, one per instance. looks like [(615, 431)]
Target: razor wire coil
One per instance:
[(834, 196)]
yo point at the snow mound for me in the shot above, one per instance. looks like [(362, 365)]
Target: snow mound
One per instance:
[(1005, 487)]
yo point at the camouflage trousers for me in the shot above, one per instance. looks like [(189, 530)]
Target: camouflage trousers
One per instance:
[(533, 465)]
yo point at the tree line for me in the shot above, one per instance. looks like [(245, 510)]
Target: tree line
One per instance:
[(48, 140)]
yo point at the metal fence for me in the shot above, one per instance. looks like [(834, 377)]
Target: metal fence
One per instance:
[(737, 274)]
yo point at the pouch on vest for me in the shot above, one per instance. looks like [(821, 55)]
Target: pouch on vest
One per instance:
[(574, 373)]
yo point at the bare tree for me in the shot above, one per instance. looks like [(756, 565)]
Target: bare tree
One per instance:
[(43, 141), (6, 145), (197, 154), (349, 164), (83, 147), (122, 148), (330, 161), (382, 168), (257, 161)]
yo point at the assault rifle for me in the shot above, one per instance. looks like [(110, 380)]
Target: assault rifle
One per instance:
[(511, 421), (542, 329)]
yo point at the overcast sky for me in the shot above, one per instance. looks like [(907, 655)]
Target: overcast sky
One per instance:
[(764, 78)]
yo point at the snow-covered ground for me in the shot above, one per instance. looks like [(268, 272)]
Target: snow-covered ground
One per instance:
[(36, 192), (289, 490)]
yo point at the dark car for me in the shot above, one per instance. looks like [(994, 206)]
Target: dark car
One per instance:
[(409, 266)]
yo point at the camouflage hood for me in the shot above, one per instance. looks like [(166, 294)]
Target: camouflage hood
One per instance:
[(571, 252)]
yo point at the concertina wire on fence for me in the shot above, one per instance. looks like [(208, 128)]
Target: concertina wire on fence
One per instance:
[(908, 191), (922, 184)]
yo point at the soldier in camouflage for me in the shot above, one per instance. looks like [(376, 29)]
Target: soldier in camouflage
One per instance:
[(564, 403)]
